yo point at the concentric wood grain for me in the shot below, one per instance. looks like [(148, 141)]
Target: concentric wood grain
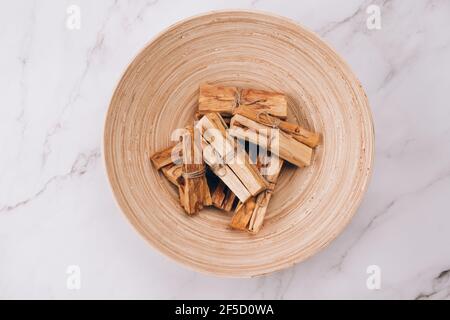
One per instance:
[(158, 94)]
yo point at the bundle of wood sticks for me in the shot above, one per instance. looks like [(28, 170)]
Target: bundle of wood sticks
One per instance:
[(232, 154)]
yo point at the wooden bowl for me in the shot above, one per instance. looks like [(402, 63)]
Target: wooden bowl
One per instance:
[(158, 93)]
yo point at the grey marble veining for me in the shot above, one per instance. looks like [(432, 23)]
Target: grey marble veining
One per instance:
[(56, 208)]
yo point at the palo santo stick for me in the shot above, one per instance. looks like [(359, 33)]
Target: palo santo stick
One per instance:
[(193, 184), (225, 99), (217, 99), (173, 172), (272, 103), (262, 200), (250, 215), (299, 133), (229, 201), (181, 194), (223, 198), (218, 196), (277, 141), (223, 171), (214, 132), (166, 156), (243, 214)]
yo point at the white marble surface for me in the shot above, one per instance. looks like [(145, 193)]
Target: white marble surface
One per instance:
[(56, 208)]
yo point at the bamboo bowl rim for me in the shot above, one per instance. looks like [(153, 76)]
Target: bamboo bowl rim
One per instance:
[(323, 95)]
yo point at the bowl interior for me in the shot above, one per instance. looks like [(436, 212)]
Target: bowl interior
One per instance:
[(158, 94)]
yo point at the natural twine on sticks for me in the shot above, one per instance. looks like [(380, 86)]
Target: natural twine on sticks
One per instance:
[(237, 100), (194, 174), (274, 122)]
